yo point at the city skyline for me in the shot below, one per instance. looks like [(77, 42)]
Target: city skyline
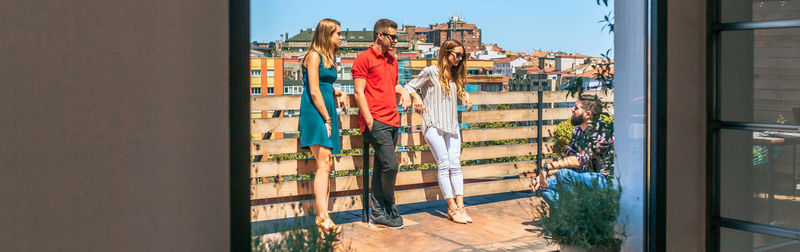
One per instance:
[(571, 27)]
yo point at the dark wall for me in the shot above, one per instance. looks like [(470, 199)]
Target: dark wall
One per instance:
[(686, 124), (114, 126)]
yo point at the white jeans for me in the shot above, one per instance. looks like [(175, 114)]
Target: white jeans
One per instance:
[(446, 148)]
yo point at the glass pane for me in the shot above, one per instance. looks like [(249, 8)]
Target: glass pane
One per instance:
[(737, 240), (759, 178), (759, 10), (760, 76)]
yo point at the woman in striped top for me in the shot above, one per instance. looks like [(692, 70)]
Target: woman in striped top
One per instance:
[(441, 86)]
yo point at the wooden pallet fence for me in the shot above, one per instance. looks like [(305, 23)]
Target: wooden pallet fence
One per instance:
[(491, 174)]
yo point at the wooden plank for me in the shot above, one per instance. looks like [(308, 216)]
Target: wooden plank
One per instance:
[(301, 208), (771, 83), (502, 97), (294, 188), (777, 52), (773, 42), (275, 102), (772, 34), (502, 133), (531, 97), (280, 124), (287, 102), (289, 167), (474, 153), (561, 96), (498, 116), (556, 113), (496, 151), (291, 145), (284, 124), (777, 62), (776, 95), (282, 102)]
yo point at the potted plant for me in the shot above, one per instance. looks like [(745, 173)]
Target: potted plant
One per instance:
[(583, 218)]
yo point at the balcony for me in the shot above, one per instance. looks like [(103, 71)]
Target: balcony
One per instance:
[(499, 155)]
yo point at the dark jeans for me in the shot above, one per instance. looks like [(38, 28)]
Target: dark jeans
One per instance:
[(567, 178), (383, 138)]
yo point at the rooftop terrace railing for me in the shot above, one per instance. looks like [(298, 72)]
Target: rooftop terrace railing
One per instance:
[(490, 167)]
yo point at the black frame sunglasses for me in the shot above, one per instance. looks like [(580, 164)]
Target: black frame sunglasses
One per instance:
[(391, 36)]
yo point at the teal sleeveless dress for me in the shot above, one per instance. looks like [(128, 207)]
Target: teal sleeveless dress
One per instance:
[(311, 124)]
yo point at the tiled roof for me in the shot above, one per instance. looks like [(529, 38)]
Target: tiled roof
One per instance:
[(444, 27), (572, 56), (504, 60), (538, 54), (587, 71)]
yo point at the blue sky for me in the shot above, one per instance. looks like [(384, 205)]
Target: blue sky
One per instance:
[(560, 25)]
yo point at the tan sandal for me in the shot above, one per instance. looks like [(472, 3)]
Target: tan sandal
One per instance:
[(463, 212), (455, 216), (329, 227)]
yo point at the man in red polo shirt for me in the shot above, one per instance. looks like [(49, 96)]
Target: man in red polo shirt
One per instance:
[(375, 74)]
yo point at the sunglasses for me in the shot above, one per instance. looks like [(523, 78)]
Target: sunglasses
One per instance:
[(458, 55), (391, 36)]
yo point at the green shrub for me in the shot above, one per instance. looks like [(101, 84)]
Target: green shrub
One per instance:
[(608, 119), (301, 235), (584, 217), (562, 135)]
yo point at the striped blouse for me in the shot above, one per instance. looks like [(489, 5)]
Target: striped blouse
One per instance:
[(441, 111)]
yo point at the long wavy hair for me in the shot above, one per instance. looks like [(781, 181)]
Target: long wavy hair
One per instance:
[(447, 72), (321, 42)]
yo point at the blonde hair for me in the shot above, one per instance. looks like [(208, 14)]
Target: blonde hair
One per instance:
[(321, 42), (457, 73)]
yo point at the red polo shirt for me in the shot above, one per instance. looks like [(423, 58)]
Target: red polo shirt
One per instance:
[(380, 71)]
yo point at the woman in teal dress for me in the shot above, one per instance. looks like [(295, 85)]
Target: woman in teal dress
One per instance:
[(319, 123)]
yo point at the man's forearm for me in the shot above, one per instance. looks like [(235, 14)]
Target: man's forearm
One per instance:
[(359, 86), (363, 106), (567, 162)]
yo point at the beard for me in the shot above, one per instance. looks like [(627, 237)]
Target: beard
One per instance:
[(576, 120)]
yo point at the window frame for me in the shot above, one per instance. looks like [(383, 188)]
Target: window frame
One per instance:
[(714, 219), (239, 108)]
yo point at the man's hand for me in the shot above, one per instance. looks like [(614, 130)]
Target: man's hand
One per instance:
[(369, 123), (540, 181), (405, 100)]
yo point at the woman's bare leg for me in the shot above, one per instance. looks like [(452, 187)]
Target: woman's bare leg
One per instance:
[(321, 191)]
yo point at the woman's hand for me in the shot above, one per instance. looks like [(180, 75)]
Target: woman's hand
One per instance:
[(343, 101), (328, 128), (418, 106), (467, 102)]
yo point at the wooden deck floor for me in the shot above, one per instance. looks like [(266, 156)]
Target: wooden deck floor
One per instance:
[(503, 222)]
